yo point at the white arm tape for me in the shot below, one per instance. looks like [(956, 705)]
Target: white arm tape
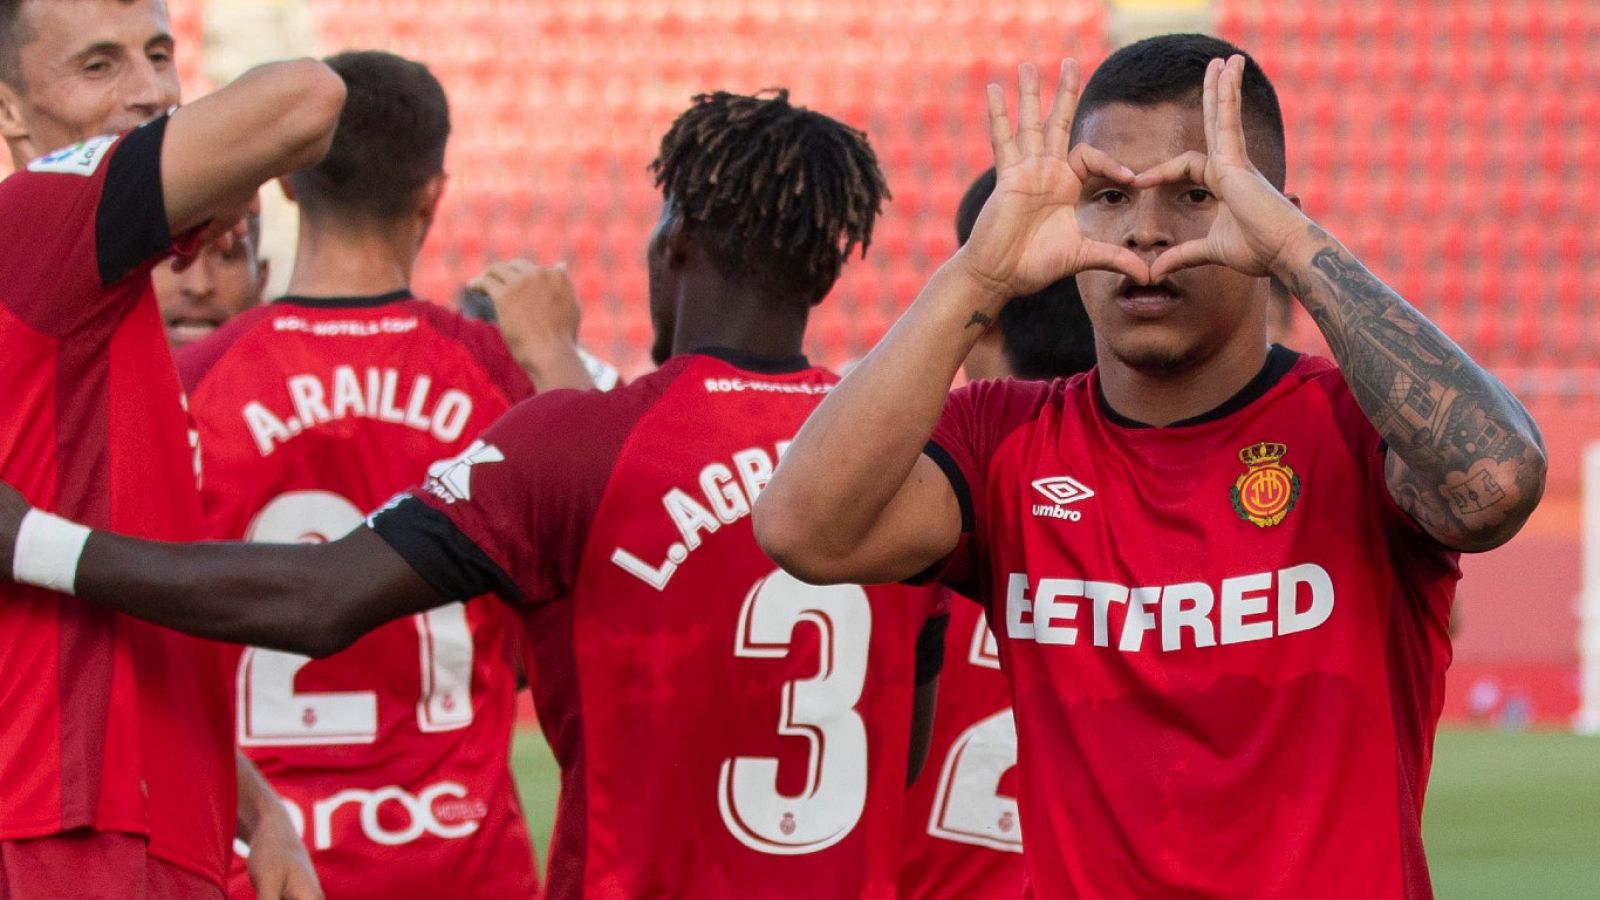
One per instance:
[(47, 551)]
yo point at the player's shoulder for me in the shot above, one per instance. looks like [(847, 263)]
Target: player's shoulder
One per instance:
[(1017, 401), (198, 360), (577, 419), (480, 341)]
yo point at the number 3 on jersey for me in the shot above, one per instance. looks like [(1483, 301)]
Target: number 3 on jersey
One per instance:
[(273, 714), (968, 807), (820, 708)]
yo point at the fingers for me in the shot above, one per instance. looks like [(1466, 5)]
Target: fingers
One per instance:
[(1058, 126), (1208, 104), (1005, 149), (1186, 255), (1090, 162), (1187, 168), (1111, 258), (1030, 136), (1228, 141)]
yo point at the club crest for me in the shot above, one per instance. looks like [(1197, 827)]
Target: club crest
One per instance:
[(1268, 489)]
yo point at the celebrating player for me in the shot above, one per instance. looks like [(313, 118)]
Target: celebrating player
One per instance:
[(223, 279), (1220, 574), (962, 835), (724, 730), (318, 407), (117, 775)]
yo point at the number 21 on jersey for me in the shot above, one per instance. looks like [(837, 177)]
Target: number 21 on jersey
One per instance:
[(273, 714)]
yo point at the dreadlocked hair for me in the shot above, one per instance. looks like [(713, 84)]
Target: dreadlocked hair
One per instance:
[(776, 192)]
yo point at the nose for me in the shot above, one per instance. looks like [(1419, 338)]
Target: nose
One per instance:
[(196, 282), (1149, 229), (151, 90)]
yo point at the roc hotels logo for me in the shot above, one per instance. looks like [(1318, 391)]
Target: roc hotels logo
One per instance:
[(1060, 491), (1268, 489)]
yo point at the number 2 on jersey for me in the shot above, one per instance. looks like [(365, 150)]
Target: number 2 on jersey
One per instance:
[(820, 708), (273, 714), (968, 807)]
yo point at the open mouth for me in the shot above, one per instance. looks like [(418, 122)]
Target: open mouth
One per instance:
[(188, 330), (1149, 300)]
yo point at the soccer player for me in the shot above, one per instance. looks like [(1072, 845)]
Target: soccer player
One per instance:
[(393, 754), (1220, 574), (117, 775), (724, 730), (200, 294), (962, 836)]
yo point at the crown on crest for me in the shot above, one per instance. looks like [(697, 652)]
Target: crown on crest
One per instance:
[(1262, 453)]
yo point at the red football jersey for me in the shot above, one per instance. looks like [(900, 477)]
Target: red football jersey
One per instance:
[(963, 837), (111, 723), (723, 729), (393, 754), (1226, 644)]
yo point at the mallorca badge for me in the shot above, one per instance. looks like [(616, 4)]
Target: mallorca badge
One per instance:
[(1268, 489)]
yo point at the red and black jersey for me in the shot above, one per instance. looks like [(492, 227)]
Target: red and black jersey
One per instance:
[(1225, 642), (112, 724), (393, 754), (963, 837), (723, 729)]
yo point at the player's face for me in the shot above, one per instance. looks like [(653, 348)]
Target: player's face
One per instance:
[(93, 67), (219, 285), (663, 297), (1194, 314)]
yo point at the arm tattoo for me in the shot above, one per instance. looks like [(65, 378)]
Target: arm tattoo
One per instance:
[(980, 319), (1466, 460)]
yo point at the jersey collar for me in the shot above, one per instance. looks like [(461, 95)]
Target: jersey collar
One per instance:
[(766, 365), (347, 302), (1280, 360)]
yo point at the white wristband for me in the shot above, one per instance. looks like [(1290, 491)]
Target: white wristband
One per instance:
[(47, 551)]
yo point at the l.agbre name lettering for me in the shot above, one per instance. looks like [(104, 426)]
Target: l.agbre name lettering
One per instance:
[(372, 393), (1254, 607), (722, 495)]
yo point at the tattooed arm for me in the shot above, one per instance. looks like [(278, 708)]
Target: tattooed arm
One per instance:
[(1465, 458)]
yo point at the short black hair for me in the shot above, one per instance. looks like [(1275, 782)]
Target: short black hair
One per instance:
[(389, 142), (1043, 335), (778, 194), (1172, 69), (14, 35)]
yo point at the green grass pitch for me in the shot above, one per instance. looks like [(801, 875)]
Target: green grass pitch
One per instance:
[(1508, 815)]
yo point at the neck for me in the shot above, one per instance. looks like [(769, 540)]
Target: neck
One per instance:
[(718, 313), (1162, 397), (340, 262)]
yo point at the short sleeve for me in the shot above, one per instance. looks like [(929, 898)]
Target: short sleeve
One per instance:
[(975, 422), (131, 218), (90, 215), (511, 513)]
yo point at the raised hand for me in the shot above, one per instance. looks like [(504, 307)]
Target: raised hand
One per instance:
[(1027, 235), (537, 310), (1255, 222)]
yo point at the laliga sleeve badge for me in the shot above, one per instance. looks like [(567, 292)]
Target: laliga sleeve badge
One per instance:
[(1268, 489)]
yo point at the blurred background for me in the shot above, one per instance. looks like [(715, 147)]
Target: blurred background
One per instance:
[(1452, 144)]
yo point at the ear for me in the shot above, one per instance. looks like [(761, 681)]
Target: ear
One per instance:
[(428, 198), (288, 190), (263, 275), (677, 241), (13, 121), (1295, 199)]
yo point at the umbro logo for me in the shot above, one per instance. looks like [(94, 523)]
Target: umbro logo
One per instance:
[(1061, 491)]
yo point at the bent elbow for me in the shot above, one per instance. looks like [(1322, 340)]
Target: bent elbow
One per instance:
[(318, 99), (787, 542)]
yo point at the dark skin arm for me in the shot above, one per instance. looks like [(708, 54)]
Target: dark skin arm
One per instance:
[(312, 599)]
